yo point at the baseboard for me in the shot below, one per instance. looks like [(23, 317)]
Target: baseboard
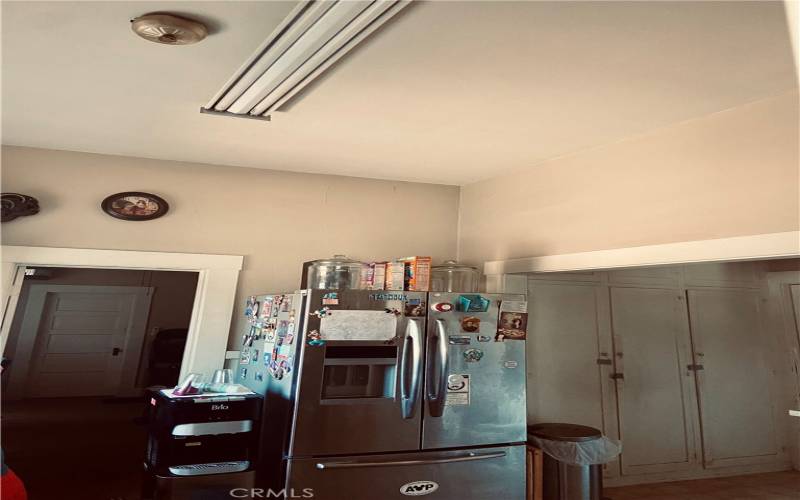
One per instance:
[(697, 474)]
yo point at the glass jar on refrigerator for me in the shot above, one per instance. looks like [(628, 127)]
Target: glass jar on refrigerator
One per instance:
[(337, 273), (450, 276)]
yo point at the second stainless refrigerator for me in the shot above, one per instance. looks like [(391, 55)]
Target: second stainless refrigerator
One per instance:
[(384, 395)]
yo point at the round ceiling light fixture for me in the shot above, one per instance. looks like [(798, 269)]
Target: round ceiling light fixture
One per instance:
[(168, 29)]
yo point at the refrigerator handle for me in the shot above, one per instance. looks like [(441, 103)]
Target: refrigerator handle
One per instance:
[(412, 353), (467, 457), (437, 370)]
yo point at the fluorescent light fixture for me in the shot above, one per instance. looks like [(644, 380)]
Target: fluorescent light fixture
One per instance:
[(313, 36)]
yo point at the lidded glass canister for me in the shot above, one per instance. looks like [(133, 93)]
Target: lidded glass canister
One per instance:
[(450, 276), (337, 273)]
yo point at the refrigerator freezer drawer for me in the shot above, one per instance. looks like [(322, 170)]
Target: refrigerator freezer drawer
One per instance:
[(471, 474)]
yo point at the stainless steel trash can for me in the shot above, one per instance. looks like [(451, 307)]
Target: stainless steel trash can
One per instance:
[(562, 481)]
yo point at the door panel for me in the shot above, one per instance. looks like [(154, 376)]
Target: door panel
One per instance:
[(73, 353), (485, 397), (734, 384), (569, 358), (356, 396), (476, 474), (564, 377), (654, 397)]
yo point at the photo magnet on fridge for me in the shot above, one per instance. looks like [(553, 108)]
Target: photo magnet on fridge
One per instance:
[(414, 310), (470, 324), (266, 307), (512, 326)]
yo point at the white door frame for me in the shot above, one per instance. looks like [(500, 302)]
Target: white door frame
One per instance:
[(26, 346), (214, 299)]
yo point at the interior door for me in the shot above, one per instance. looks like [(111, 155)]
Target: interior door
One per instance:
[(654, 390), (474, 378), (734, 384), (359, 392), (85, 343), (569, 357)]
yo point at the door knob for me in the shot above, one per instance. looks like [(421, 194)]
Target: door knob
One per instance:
[(115, 351)]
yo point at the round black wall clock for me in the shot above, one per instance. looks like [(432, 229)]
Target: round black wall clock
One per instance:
[(135, 205)]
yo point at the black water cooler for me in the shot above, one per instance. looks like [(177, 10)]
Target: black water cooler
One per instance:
[(201, 448)]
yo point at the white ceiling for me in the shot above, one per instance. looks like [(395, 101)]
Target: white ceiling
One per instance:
[(449, 92)]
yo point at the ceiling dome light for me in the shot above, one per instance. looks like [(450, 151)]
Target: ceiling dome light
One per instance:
[(168, 29)]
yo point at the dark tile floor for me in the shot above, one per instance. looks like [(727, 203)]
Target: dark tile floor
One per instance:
[(75, 448)]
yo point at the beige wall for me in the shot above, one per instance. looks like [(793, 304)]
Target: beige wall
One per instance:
[(732, 173), (275, 219)]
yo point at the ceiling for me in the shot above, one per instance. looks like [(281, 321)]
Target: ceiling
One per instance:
[(448, 92)]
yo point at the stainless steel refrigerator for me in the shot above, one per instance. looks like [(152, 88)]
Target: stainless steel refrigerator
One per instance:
[(379, 395)]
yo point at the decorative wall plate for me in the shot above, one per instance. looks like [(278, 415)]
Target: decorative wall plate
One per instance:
[(135, 205), (15, 205)]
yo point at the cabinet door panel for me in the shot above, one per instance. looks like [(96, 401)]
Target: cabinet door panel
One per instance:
[(563, 377), (734, 385), (568, 331), (655, 398)]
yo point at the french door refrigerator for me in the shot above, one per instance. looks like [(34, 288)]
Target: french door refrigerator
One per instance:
[(380, 395)]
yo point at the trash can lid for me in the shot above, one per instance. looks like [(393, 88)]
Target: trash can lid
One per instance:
[(564, 432)]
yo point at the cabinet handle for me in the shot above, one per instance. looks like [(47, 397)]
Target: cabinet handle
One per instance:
[(602, 361), (694, 367), (617, 376)]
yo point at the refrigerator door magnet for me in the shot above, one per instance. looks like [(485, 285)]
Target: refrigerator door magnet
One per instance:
[(457, 390), (473, 355), (470, 324), (266, 307), (330, 299), (512, 325)]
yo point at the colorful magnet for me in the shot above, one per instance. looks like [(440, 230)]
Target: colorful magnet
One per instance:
[(283, 328), (286, 303), (314, 338), (473, 303), (320, 313), (484, 338), (512, 326), (259, 377), (473, 355), (415, 310), (254, 357), (330, 299), (266, 307), (510, 364), (267, 358), (248, 307), (470, 324), (243, 373)]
